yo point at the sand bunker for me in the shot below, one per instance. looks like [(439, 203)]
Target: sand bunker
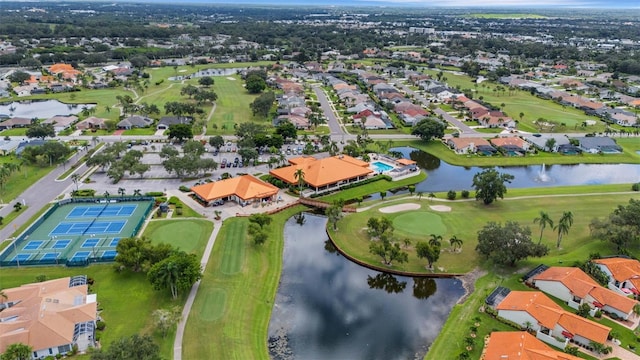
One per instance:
[(230, 78), (398, 208), (441, 208)]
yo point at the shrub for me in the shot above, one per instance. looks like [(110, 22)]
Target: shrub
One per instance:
[(154, 193), (178, 211), (184, 188), (83, 193), (465, 194), (635, 187), (100, 325), (451, 195), (173, 200), (179, 205)]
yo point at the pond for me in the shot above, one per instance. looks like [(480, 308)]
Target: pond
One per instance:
[(330, 308), (443, 176), (41, 109)]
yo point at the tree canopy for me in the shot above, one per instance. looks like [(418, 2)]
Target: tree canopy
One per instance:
[(490, 185), (134, 347), (178, 272), (255, 84), (428, 129), (17, 351), (180, 132), (41, 131), (262, 104), (508, 244), (621, 227)]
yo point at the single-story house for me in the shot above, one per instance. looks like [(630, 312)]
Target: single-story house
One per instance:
[(15, 122), (52, 317), (324, 174), (552, 324), (28, 143), (61, 123), (300, 122), (243, 189), (469, 145), (540, 141), (574, 286), (8, 146), (624, 274), (92, 123), (135, 121), (511, 144), (167, 121), (520, 345), (598, 144)]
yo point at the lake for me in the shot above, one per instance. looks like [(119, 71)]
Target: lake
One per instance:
[(41, 109), (330, 308), (443, 176)]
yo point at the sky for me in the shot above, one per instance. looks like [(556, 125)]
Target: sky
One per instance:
[(625, 4)]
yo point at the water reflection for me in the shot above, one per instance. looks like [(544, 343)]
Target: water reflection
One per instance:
[(326, 308), (443, 176), (41, 109)]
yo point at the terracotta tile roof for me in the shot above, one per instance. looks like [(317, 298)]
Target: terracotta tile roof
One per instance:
[(520, 345), (581, 284), (622, 269), (509, 141), (461, 143), (245, 187), (548, 314), (576, 280), (403, 161), (46, 314), (321, 172)]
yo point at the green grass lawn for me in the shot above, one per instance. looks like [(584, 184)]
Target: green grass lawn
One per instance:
[(520, 101), (189, 235), (141, 131), (127, 298), (232, 106), (467, 217), (14, 132), (230, 316), (438, 149), (373, 188), (20, 180)]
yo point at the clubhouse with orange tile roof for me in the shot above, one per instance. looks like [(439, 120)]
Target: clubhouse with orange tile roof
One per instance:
[(576, 287), (50, 317), (324, 174), (624, 274), (520, 345), (243, 189), (549, 320)]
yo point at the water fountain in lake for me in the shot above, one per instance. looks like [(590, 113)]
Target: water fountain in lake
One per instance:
[(542, 174)]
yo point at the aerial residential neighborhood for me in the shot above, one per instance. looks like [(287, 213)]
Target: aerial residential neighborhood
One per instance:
[(385, 180)]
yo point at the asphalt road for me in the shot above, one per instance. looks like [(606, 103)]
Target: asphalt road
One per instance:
[(326, 106), (39, 194)]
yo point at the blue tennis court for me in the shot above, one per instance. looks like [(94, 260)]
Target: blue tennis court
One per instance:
[(89, 243), (61, 244), (50, 256), (33, 245), (114, 242), (81, 256), (109, 254), (21, 257), (81, 228), (102, 210)]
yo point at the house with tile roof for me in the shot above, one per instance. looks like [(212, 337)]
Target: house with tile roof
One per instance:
[(519, 345), (244, 190), (324, 174), (574, 286), (92, 122), (135, 121), (60, 122), (470, 145), (50, 316), (15, 122), (512, 143), (551, 323), (624, 274)]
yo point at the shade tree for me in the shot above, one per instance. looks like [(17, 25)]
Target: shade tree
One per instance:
[(508, 244), (490, 185)]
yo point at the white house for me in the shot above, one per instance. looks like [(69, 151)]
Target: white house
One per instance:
[(576, 288), (624, 274), (553, 325)]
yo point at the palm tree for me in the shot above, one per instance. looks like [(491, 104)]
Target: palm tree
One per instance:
[(436, 240), (122, 191), (137, 192), (420, 194), (431, 196), (564, 225), (299, 175), (455, 242), (168, 275), (543, 220), (75, 178)]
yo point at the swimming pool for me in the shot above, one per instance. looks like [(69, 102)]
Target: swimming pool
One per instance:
[(380, 167)]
